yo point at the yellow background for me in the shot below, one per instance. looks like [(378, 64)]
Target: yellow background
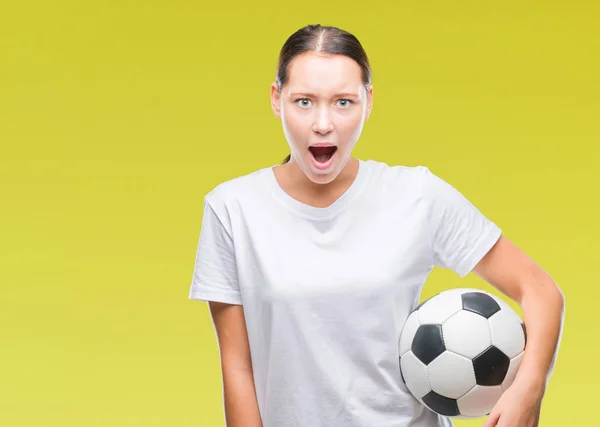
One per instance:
[(116, 118)]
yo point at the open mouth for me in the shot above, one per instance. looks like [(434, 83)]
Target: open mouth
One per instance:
[(322, 154)]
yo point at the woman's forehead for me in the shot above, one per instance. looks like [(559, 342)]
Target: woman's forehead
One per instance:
[(333, 70), (332, 85)]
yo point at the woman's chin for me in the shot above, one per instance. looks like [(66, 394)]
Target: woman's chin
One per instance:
[(321, 175)]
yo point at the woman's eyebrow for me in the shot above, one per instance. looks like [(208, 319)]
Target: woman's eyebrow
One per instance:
[(337, 94)]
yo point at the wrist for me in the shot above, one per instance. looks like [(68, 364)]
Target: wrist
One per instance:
[(531, 384)]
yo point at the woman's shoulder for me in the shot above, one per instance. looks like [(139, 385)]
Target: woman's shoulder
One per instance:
[(235, 187), (397, 171)]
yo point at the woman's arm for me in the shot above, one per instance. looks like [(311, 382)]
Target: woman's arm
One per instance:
[(518, 277), (241, 406)]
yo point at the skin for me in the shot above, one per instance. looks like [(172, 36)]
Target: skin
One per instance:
[(323, 100), (323, 115)]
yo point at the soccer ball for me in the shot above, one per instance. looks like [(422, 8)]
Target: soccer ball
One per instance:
[(460, 350)]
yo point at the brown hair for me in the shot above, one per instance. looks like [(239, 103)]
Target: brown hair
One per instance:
[(321, 39)]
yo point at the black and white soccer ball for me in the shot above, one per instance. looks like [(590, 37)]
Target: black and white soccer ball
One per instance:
[(460, 350)]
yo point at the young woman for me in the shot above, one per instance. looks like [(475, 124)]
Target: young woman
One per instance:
[(311, 267)]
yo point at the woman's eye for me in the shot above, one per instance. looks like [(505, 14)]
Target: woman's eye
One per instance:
[(304, 101)]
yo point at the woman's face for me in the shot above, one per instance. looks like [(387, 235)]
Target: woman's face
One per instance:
[(322, 107)]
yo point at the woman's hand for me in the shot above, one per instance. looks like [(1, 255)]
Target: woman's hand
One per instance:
[(519, 406)]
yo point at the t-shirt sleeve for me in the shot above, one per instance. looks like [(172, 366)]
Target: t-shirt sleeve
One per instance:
[(460, 234), (215, 274)]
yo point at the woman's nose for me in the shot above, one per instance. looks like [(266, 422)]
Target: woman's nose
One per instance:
[(322, 122)]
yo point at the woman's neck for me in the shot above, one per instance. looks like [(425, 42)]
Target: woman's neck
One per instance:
[(296, 184)]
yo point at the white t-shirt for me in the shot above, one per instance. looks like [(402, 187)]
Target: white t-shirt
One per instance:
[(326, 291)]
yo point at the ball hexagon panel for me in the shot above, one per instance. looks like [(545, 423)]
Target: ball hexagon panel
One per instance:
[(507, 332), (428, 343), (451, 375), (418, 306), (440, 404), (437, 310), (408, 332), (506, 306), (471, 344), (417, 382), (480, 303), (503, 304), (509, 378), (491, 367), (479, 401)]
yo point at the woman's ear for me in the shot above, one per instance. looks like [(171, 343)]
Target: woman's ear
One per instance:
[(275, 100)]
